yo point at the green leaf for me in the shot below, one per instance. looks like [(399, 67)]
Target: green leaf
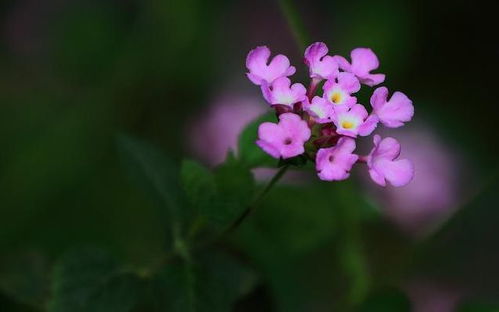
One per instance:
[(235, 190), (152, 171), (249, 153), (387, 301), (91, 281), (25, 278), (213, 283), (198, 183)]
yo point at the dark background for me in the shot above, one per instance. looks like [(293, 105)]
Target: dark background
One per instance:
[(74, 73)]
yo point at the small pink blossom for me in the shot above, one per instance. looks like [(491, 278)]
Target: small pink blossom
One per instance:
[(282, 92), (338, 91), (284, 139), (392, 113), (260, 71), (355, 121), (334, 163), (319, 109), (383, 165), (363, 62), (320, 65)]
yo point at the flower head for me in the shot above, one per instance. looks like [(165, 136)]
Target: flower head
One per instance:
[(323, 127), (363, 62), (383, 165), (282, 92), (334, 163), (355, 121), (260, 71), (392, 113), (338, 91), (319, 109), (284, 139), (320, 65)]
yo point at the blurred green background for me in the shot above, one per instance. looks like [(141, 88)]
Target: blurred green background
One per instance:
[(76, 73)]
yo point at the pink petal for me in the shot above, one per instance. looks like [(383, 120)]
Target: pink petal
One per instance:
[(268, 148), (398, 172), (372, 79), (293, 125), (359, 111), (369, 125), (396, 111), (378, 99), (388, 148), (279, 67), (363, 60), (377, 177), (259, 71), (270, 132), (342, 63), (348, 82), (320, 65)]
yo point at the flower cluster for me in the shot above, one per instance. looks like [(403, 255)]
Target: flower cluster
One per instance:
[(324, 128)]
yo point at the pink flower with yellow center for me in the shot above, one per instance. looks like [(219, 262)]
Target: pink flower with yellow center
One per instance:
[(355, 121), (339, 91), (323, 127)]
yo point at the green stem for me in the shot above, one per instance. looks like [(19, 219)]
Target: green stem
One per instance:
[(294, 22), (257, 200)]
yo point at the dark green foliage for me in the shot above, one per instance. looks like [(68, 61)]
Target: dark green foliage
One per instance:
[(387, 301), (91, 281), (213, 282), (477, 307), (152, 171), (25, 278)]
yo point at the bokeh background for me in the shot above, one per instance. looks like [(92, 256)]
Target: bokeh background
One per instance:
[(76, 73)]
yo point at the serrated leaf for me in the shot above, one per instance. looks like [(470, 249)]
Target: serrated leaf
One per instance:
[(152, 171), (213, 283), (198, 183), (91, 281), (235, 189), (249, 153), (25, 278)]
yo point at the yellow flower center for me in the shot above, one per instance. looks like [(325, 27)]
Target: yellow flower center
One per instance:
[(347, 124), (336, 97)]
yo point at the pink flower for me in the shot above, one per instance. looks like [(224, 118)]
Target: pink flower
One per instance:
[(355, 121), (320, 65), (383, 166), (281, 92), (392, 113), (363, 62), (259, 71), (334, 163), (319, 109), (285, 139), (338, 91)]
